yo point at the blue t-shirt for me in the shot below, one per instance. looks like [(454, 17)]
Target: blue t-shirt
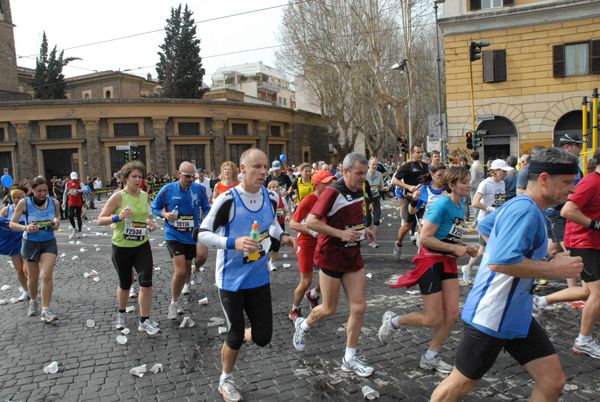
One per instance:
[(522, 178), (449, 218), (188, 204), (499, 304), (428, 196)]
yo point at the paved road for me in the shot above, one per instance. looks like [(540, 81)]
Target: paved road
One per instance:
[(93, 366)]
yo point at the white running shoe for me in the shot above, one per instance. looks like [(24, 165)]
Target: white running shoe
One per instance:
[(48, 316), (272, 266), (172, 315), (230, 391), (436, 364), (24, 296), (132, 293), (33, 308), (358, 364), (591, 348), (300, 335), (186, 289), (466, 271), (397, 251), (387, 329), (120, 324), (149, 327)]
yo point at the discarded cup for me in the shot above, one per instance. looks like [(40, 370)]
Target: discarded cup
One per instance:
[(369, 393), (369, 275), (125, 331), (130, 309), (286, 265), (63, 255), (187, 322), (222, 330), (285, 256), (13, 300), (214, 321), (3, 301), (96, 279), (157, 268), (157, 368), (86, 274), (72, 242), (203, 302), (121, 339), (90, 323), (5, 287), (192, 283), (75, 258), (79, 242), (97, 248), (83, 249), (93, 272), (52, 368), (138, 371)]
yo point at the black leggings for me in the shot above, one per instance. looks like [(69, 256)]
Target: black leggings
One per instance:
[(140, 258), (75, 212), (256, 302), (276, 243)]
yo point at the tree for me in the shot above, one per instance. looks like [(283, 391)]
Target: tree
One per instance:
[(49, 81), (179, 70)]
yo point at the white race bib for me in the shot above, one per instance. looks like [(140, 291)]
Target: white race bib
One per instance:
[(184, 224), (135, 232)]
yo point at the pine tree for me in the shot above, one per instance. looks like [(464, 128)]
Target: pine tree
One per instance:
[(49, 81), (179, 70)]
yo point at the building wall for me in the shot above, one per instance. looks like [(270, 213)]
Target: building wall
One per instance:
[(8, 59), (119, 86), (531, 98)]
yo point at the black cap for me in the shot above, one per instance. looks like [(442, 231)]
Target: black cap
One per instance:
[(570, 139)]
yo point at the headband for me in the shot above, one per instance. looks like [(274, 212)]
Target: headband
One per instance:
[(553, 168), (16, 191)]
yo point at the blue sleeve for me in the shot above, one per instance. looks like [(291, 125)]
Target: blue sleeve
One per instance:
[(204, 205), (522, 178), (422, 198), (159, 202), (509, 248)]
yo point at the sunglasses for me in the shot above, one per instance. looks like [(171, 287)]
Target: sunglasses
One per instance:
[(187, 176)]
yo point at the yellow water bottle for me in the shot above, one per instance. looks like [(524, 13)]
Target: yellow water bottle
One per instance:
[(255, 234)]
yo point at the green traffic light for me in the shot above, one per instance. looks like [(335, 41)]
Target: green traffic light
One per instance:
[(483, 43)]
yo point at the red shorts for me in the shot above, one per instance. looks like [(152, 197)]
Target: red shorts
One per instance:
[(305, 258)]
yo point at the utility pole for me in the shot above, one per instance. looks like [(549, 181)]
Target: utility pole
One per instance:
[(439, 81)]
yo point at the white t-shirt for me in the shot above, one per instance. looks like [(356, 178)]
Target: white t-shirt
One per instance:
[(98, 184), (493, 195), (206, 184)]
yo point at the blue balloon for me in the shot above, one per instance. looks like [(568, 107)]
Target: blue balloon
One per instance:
[(87, 189), (6, 180), (282, 157)]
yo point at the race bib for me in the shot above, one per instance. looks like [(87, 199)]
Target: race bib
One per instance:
[(498, 200), (280, 212), (360, 228), (264, 245), (135, 232), (44, 225), (375, 191), (73, 191), (184, 224), (456, 231)]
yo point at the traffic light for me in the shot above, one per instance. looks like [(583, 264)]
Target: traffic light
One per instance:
[(403, 145), (135, 155), (475, 49), (126, 157), (470, 140), (477, 138)]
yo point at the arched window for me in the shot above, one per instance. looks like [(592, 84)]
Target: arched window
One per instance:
[(500, 138), (570, 123), (108, 95), (86, 96)]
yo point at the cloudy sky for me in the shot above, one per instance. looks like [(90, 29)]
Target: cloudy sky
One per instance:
[(73, 24)]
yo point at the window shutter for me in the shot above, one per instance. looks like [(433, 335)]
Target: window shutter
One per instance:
[(488, 66), (508, 3), (475, 5), (595, 57), (500, 65), (558, 60)]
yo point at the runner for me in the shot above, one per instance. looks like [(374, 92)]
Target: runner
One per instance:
[(490, 196), (179, 204), (302, 186), (10, 240), (129, 211), (338, 257), (73, 202), (229, 179), (283, 214), (38, 248), (497, 312), (242, 273), (375, 179), (436, 269), (307, 242)]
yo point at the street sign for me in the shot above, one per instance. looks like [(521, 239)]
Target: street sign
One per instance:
[(122, 147), (132, 144), (434, 127), (482, 117)]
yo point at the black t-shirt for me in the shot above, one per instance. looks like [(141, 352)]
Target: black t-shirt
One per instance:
[(411, 173), (283, 179)]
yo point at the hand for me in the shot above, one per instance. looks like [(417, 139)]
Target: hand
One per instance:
[(64, 206), (473, 251), (287, 218), (171, 217), (290, 241), (459, 250), (349, 235), (413, 189), (568, 267), (32, 228), (126, 213), (416, 194), (385, 188), (370, 236), (246, 244), (152, 226)]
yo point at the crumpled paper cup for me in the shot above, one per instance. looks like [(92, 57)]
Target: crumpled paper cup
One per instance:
[(138, 371), (369, 393), (52, 368)]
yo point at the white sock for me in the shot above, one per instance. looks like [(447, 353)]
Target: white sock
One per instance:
[(350, 353), (580, 338), (225, 376), (430, 354), (176, 303), (304, 326), (294, 307), (471, 262), (44, 309), (395, 322), (542, 301), (314, 293)]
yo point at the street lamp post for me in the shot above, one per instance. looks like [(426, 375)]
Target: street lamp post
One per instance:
[(404, 67), (439, 82)]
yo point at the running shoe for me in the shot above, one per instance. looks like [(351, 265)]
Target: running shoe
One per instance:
[(294, 314), (149, 327), (466, 271), (132, 292), (374, 245), (24, 296), (120, 324), (300, 335), (580, 304), (272, 266), (172, 315), (33, 308), (417, 240), (180, 309), (72, 236), (590, 348), (397, 251), (230, 391), (436, 364), (312, 301), (412, 238), (358, 364), (186, 289), (387, 329), (48, 316), (79, 235)]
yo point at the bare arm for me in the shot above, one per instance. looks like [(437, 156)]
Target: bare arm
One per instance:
[(562, 266), (4, 212), (315, 223), (572, 212), (477, 202), (428, 241), (105, 217)]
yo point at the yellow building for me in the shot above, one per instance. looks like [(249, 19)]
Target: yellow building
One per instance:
[(543, 58)]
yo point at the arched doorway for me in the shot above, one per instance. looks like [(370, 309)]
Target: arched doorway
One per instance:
[(570, 123), (500, 140)]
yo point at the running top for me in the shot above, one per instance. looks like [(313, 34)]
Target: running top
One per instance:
[(586, 198), (493, 195), (188, 203), (376, 182), (73, 194), (304, 189), (428, 196), (499, 304), (41, 217), (305, 240), (449, 218), (220, 188), (136, 234), (232, 215), (342, 209)]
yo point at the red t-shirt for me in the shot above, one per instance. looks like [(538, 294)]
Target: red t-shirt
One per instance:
[(340, 208), (587, 198), (305, 240)]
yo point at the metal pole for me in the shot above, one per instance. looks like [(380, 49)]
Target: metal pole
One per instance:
[(410, 133), (584, 112), (439, 84), (472, 94), (595, 119)]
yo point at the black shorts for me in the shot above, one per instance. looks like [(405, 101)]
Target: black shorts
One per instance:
[(408, 218), (140, 258), (477, 351), (556, 227), (591, 263), (431, 281), (332, 273), (177, 248), (31, 251)]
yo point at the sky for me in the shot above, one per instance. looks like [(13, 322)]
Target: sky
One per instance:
[(71, 23)]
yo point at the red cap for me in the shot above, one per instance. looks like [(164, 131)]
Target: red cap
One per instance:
[(322, 176)]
